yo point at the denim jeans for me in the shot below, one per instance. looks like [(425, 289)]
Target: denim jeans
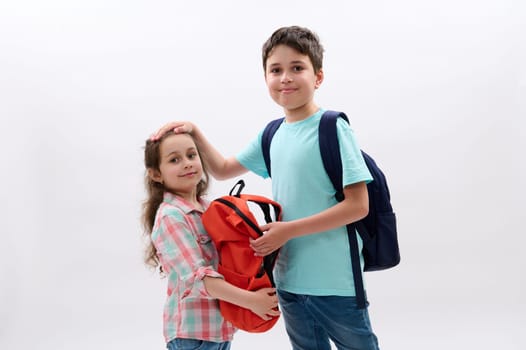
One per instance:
[(196, 344), (311, 321)]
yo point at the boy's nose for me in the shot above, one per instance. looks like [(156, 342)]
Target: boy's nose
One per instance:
[(285, 78)]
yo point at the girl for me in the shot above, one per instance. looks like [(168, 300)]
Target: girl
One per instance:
[(176, 180)]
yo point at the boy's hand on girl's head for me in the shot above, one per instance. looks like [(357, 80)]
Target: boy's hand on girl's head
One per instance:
[(178, 127), (265, 303), (275, 235)]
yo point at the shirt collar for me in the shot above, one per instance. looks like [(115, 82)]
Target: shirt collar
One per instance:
[(179, 202)]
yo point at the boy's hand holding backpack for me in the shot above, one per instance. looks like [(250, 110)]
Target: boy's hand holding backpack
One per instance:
[(276, 235)]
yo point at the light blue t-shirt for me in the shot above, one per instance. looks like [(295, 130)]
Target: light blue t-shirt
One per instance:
[(316, 264)]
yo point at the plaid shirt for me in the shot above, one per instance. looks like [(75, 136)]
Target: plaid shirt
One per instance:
[(187, 254)]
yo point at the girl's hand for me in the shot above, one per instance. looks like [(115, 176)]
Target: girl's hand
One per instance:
[(265, 303), (178, 127)]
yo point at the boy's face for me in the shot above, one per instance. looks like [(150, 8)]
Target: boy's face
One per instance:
[(291, 81)]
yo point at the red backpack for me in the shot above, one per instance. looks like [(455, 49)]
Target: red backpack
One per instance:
[(230, 223)]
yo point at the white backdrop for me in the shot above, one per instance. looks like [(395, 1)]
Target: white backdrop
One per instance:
[(436, 92)]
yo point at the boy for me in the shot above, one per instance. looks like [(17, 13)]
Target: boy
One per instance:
[(313, 272)]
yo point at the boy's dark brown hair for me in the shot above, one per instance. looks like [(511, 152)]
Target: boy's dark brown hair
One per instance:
[(300, 39)]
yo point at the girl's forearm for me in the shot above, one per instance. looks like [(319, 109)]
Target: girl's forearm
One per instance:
[(220, 289)]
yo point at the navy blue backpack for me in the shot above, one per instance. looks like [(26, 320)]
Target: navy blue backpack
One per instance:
[(378, 228)]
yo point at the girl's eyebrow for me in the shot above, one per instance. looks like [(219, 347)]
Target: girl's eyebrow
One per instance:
[(169, 154), (177, 152)]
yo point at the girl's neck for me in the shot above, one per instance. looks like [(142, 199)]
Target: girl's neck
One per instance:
[(197, 204), (192, 199)]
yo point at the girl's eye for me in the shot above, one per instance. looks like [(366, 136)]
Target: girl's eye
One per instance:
[(275, 70), (192, 155), (174, 160)]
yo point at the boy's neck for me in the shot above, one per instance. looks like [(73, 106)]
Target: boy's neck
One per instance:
[(301, 113)]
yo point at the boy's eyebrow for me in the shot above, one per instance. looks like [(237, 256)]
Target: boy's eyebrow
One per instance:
[(291, 62)]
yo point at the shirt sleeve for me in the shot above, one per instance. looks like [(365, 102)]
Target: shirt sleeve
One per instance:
[(251, 157), (354, 168), (182, 254)]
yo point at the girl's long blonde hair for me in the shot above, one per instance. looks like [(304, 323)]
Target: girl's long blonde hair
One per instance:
[(155, 193)]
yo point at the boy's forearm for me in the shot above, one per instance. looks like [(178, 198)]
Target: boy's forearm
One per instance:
[(354, 208), (219, 167), (214, 159), (329, 219)]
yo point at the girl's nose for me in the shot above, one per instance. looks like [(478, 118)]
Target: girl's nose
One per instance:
[(187, 163)]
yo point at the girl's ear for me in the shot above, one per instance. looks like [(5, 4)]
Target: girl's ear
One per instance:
[(155, 175)]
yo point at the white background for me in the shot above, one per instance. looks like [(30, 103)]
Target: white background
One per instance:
[(435, 90)]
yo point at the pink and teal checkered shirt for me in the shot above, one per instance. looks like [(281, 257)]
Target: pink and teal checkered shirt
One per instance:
[(187, 255)]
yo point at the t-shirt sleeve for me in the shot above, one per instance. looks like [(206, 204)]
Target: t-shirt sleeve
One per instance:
[(251, 157), (354, 168)]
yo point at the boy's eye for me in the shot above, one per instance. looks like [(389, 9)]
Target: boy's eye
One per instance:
[(275, 70), (297, 68)]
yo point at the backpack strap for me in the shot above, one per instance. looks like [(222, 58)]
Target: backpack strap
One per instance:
[(331, 156), (266, 139)]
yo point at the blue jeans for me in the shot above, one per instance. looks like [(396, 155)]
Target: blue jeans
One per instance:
[(196, 344), (312, 320)]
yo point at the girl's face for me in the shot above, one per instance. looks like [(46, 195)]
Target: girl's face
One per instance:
[(180, 166), (291, 81)]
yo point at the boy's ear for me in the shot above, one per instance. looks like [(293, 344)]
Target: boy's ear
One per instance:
[(155, 175), (319, 78)]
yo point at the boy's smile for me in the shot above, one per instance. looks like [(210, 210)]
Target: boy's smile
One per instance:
[(287, 90), (291, 82)]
